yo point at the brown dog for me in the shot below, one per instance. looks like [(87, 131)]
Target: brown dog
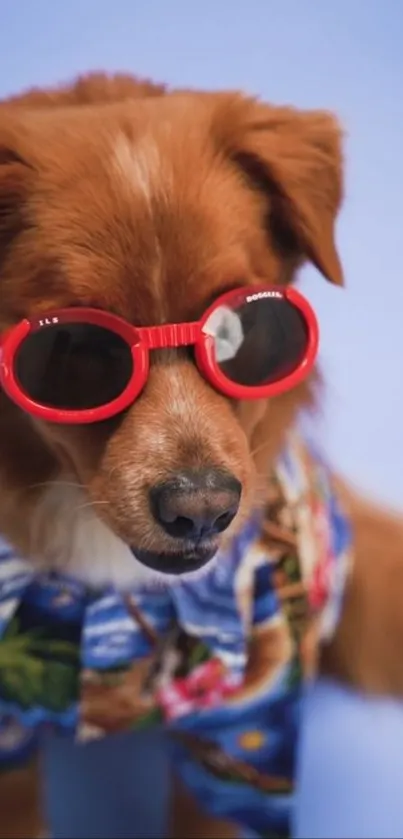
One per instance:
[(120, 195)]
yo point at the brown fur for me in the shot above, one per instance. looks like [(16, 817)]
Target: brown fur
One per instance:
[(237, 192), (20, 804), (367, 649)]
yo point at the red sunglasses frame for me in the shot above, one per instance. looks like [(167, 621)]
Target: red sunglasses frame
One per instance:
[(143, 339)]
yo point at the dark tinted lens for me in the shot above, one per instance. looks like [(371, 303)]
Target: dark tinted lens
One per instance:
[(74, 366), (260, 341)]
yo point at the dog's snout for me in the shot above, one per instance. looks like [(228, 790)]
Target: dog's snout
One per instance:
[(196, 504)]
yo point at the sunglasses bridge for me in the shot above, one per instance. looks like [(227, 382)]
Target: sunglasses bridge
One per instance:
[(170, 335)]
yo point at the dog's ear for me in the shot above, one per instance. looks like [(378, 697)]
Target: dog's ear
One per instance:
[(295, 158), (15, 176)]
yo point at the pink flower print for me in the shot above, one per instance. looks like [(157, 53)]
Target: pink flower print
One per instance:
[(205, 687)]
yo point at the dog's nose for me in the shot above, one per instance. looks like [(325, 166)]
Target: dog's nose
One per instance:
[(196, 504)]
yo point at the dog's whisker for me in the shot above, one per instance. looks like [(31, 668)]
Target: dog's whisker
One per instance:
[(59, 483), (112, 472), (259, 448), (90, 504)]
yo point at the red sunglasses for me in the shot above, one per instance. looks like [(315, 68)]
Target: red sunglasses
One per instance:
[(84, 365)]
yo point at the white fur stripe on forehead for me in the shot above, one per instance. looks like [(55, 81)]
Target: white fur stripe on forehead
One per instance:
[(139, 164)]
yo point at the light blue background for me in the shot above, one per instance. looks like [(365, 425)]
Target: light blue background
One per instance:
[(345, 55)]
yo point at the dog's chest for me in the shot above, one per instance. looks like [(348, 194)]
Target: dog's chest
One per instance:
[(220, 660), (287, 566)]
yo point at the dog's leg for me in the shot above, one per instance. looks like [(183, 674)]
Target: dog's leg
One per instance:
[(367, 648), (189, 821), (20, 804)]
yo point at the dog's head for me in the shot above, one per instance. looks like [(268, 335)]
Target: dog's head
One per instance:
[(150, 206)]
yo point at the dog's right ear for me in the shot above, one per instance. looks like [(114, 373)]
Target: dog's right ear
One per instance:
[(294, 159), (15, 177)]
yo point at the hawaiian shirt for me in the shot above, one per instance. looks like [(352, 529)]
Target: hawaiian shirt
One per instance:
[(220, 661)]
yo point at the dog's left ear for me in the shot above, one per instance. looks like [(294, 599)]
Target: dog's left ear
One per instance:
[(295, 157), (16, 174)]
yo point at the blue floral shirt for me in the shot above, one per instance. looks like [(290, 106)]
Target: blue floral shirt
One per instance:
[(220, 661)]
